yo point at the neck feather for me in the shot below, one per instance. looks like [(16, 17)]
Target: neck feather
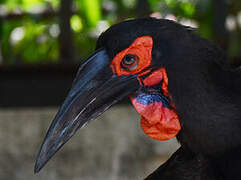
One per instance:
[(210, 118)]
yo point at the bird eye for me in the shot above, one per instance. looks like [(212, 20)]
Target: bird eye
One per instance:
[(129, 62)]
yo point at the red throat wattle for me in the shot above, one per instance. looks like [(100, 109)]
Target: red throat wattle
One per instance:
[(159, 119)]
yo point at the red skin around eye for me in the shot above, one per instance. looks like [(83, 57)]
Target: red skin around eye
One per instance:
[(141, 47), (158, 122)]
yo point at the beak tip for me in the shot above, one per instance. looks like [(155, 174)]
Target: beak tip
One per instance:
[(37, 167), (46, 153), (40, 162)]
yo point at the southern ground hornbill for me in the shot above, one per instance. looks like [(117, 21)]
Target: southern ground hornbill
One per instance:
[(180, 85)]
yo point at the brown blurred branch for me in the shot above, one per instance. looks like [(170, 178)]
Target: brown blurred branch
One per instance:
[(1, 57), (142, 8), (45, 14), (13, 15), (65, 37), (220, 11)]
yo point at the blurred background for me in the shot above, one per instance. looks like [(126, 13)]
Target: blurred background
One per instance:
[(42, 43)]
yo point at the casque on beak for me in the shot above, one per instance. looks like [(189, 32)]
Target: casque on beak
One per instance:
[(94, 90)]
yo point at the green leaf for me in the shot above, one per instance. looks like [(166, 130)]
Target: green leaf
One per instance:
[(188, 9), (92, 11), (76, 23)]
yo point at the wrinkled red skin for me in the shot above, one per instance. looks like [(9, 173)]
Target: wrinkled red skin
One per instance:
[(157, 121)]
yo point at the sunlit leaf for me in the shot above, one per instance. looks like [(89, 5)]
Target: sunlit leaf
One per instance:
[(129, 3), (76, 23), (171, 3), (54, 3), (92, 11), (187, 8)]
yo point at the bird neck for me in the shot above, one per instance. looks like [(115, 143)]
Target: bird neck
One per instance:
[(211, 121), (228, 164)]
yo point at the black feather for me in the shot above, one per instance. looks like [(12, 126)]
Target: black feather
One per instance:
[(206, 94)]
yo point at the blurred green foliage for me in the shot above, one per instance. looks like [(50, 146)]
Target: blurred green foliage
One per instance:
[(180, 8), (31, 43), (32, 38)]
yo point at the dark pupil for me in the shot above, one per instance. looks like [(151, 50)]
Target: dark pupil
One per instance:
[(129, 59)]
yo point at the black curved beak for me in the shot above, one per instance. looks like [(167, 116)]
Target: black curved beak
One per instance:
[(94, 90)]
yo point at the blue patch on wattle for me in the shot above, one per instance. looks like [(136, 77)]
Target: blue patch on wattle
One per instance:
[(151, 97)]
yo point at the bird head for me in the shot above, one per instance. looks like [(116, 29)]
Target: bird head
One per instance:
[(144, 59)]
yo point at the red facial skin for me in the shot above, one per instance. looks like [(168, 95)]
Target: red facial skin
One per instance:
[(157, 121), (142, 47)]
